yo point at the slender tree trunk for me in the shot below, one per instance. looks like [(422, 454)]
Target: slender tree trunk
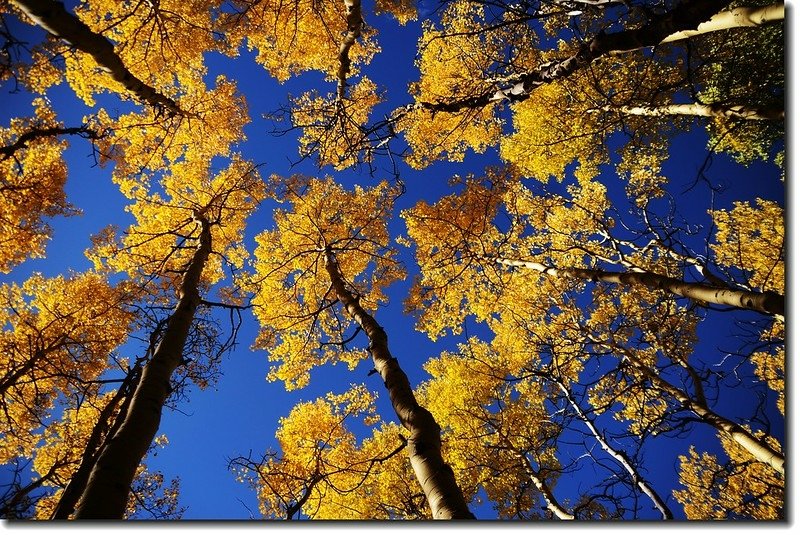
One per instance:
[(740, 17), (759, 449), (619, 456), (54, 18), (72, 492), (106, 495), (354, 25), (424, 445), (549, 498), (750, 113), (768, 302)]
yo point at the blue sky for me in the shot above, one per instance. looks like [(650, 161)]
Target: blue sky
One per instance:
[(239, 413)]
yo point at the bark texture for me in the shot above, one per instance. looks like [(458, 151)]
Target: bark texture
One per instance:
[(354, 24), (538, 481), (106, 494), (54, 18), (768, 302), (740, 17), (104, 427), (695, 109), (424, 444)]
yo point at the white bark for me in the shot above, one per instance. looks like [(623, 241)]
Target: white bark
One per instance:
[(740, 17)]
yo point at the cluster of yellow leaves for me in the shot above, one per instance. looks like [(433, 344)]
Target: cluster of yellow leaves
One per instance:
[(294, 37), (751, 239), (333, 127), (150, 141), (452, 61), (161, 43), (402, 10), (770, 363), (322, 465), (294, 302), (451, 238), (491, 427), (41, 74), (56, 331), (166, 233), (31, 187), (36, 73), (569, 120), (548, 137), (739, 488), (642, 167)]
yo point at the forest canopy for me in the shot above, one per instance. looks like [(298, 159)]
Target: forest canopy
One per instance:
[(436, 259)]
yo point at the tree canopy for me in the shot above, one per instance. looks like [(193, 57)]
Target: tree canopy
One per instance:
[(334, 259)]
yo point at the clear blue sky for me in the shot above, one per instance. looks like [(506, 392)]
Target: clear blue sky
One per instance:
[(239, 414)]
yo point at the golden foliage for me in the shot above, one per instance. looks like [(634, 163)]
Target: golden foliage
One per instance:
[(161, 43), (294, 301), (165, 234), (295, 37), (451, 60), (738, 488), (324, 472), (32, 183), (333, 127), (751, 239), (57, 333), (402, 10), (151, 141), (451, 238)]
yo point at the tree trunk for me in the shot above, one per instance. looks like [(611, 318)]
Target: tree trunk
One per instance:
[(740, 17), (354, 24), (424, 445), (620, 457), (768, 302), (54, 18), (750, 113), (759, 449), (549, 499), (106, 495), (72, 492)]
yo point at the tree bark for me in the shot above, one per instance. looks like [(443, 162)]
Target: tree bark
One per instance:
[(106, 494), (424, 445), (740, 17), (695, 109), (354, 24), (54, 18), (549, 498), (72, 492), (768, 302)]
